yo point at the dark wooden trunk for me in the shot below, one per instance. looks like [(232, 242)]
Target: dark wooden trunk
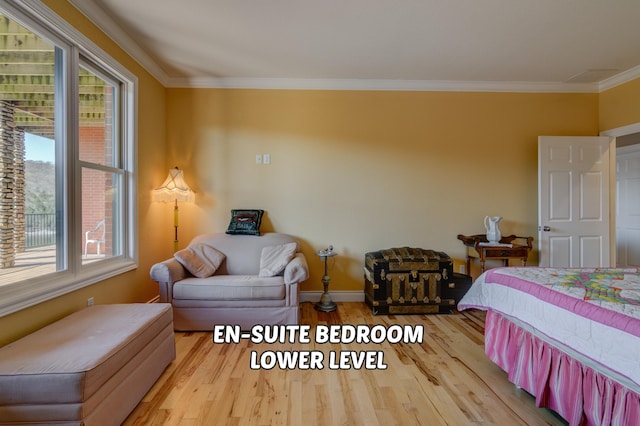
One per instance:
[(406, 280)]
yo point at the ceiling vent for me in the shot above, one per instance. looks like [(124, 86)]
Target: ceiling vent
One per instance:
[(593, 76)]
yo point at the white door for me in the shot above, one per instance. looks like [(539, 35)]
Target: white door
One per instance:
[(628, 206), (573, 201)]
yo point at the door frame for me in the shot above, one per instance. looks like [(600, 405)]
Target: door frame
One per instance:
[(614, 133), (634, 152)]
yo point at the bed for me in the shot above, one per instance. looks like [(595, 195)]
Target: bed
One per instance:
[(568, 336)]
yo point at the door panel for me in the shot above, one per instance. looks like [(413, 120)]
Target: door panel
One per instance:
[(590, 202), (559, 251), (591, 251), (573, 201), (560, 208)]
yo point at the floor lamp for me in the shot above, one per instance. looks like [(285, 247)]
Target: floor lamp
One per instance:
[(174, 189)]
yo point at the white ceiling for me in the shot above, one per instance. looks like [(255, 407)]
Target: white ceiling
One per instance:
[(530, 45)]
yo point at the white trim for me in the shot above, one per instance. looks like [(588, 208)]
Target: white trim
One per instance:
[(618, 79), (336, 296), (622, 131), (28, 293), (629, 149), (613, 134), (382, 85)]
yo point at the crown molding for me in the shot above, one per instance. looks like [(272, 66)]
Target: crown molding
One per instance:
[(115, 32), (103, 21), (382, 85), (618, 79)]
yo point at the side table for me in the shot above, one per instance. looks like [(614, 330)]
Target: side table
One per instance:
[(326, 304), (509, 247)]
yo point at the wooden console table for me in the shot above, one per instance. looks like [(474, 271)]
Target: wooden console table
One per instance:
[(509, 247)]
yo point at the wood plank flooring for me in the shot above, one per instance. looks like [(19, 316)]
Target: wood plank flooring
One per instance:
[(446, 380)]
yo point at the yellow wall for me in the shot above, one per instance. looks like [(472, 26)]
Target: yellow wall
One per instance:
[(367, 170), (134, 286), (619, 106)]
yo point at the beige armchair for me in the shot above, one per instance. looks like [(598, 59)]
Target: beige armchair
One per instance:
[(244, 289)]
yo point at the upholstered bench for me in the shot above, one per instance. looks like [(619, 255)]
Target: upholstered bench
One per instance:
[(90, 368)]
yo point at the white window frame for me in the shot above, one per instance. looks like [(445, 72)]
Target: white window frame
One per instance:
[(14, 297)]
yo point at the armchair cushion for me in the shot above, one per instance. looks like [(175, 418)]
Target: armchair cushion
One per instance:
[(273, 259), (201, 260), (230, 287)]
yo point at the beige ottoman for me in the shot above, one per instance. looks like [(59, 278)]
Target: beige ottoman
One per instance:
[(92, 367)]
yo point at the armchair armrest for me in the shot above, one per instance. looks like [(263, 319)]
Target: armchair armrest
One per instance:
[(297, 270), (166, 274)]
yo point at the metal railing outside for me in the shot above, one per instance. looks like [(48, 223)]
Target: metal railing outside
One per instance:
[(40, 229)]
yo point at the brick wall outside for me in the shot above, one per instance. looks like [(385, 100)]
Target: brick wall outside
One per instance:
[(96, 146)]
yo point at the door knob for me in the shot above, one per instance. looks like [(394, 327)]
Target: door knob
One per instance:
[(546, 228)]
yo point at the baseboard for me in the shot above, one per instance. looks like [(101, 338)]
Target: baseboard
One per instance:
[(336, 296)]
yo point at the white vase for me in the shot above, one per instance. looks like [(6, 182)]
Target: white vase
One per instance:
[(491, 225)]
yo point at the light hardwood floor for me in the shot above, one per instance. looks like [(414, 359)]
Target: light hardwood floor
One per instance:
[(446, 380)]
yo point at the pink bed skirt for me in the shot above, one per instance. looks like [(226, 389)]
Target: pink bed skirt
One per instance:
[(578, 393)]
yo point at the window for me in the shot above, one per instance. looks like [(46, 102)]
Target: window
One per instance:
[(67, 156)]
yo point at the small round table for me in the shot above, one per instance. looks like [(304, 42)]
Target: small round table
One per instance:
[(326, 304)]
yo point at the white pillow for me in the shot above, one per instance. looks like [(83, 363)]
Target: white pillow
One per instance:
[(273, 259), (201, 260)]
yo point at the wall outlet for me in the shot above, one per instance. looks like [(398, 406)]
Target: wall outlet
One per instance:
[(462, 269), (267, 158), (90, 301)]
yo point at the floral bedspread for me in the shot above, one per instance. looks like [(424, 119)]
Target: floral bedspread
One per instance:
[(591, 313), (609, 288)]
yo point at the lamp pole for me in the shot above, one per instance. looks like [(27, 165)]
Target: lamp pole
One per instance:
[(175, 225)]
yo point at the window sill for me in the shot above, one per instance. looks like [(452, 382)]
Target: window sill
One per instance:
[(20, 295)]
